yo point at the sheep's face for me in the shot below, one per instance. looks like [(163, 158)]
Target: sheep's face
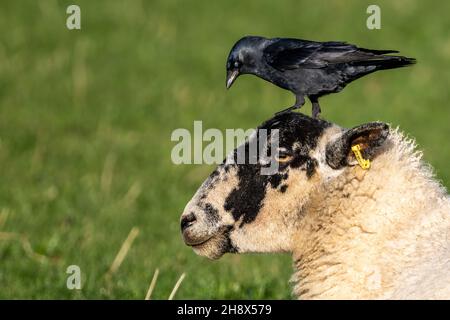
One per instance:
[(239, 209)]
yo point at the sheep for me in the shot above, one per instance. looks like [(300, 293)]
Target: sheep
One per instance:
[(354, 233)]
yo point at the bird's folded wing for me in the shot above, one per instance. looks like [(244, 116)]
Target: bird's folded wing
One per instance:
[(288, 54)]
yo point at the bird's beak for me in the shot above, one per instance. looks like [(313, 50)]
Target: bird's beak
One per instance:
[(231, 76)]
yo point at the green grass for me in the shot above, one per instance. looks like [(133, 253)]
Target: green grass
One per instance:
[(86, 118)]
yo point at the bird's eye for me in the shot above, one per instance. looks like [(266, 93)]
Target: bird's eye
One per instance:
[(237, 64), (283, 156)]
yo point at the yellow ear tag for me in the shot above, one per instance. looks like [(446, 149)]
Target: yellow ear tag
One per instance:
[(363, 163)]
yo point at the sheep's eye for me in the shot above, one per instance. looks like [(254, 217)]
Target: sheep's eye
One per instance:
[(283, 156)]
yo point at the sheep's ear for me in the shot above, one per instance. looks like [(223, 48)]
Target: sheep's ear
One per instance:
[(369, 137)]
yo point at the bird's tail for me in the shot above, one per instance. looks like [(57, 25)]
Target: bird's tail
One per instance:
[(383, 62)]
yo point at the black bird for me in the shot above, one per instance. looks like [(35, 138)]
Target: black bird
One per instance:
[(307, 68)]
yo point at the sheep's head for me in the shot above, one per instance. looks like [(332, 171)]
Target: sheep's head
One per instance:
[(238, 209)]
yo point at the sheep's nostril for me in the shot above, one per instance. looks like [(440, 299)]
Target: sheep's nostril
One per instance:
[(188, 220)]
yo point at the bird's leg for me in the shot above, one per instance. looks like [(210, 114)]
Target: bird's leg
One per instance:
[(315, 107), (316, 110), (299, 102)]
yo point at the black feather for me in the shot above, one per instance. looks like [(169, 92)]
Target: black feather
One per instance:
[(310, 68)]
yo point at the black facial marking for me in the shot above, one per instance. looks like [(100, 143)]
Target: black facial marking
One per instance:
[(246, 200), (277, 178), (214, 174), (299, 160), (213, 213), (228, 245), (210, 182), (311, 166), (283, 188)]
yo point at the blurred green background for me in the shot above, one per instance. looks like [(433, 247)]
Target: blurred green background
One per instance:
[(86, 118)]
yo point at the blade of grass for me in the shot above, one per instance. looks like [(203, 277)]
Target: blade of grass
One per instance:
[(126, 245), (177, 285), (152, 285), (26, 245)]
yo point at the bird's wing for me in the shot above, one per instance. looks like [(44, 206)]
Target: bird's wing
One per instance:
[(287, 54)]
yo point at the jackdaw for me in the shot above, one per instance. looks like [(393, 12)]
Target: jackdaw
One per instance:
[(307, 68)]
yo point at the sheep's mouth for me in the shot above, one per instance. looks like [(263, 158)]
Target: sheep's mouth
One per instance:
[(198, 238), (212, 248), (198, 243), (195, 238)]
